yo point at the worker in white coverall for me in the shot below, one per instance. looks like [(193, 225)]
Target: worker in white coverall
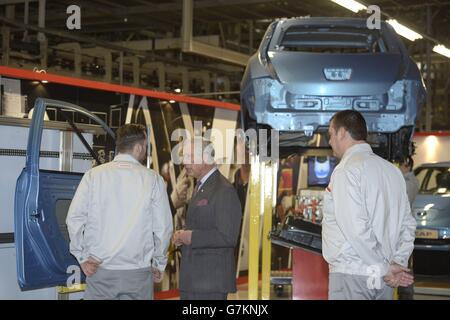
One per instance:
[(367, 229), (120, 223)]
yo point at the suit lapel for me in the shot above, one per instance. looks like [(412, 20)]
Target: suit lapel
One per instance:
[(208, 185), (203, 193)]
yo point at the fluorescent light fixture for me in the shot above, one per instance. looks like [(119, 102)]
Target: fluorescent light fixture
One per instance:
[(352, 5), (177, 90), (431, 146), (404, 31), (44, 81), (172, 101), (441, 49)]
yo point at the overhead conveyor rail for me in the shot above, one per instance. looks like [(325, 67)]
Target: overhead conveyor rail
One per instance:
[(30, 75)]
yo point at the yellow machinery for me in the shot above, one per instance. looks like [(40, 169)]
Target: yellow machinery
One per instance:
[(262, 203)]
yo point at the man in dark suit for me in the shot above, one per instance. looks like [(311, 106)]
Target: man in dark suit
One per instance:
[(212, 228)]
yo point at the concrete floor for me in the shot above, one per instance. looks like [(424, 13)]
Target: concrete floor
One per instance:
[(432, 288), (426, 288)]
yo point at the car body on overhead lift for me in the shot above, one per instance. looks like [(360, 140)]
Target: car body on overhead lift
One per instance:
[(306, 69)]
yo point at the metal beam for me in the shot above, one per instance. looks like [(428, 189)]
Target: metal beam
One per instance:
[(283, 10), (110, 29), (166, 7), (147, 56), (428, 84), (197, 5), (6, 34), (144, 2), (251, 34), (186, 28), (110, 3), (253, 13), (118, 11), (114, 16), (192, 46), (164, 44), (223, 16), (41, 20), (6, 2)]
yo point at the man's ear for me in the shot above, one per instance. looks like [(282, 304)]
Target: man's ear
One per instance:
[(206, 158), (341, 133), (137, 148), (143, 146)]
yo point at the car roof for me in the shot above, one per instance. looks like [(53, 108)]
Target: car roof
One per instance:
[(436, 164), (338, 21)]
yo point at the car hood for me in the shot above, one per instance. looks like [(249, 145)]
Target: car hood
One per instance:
[(437, 215), (303, 73)]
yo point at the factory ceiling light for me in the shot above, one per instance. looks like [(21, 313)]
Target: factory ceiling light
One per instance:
[(404, 31), (441, 49), (352, 5)]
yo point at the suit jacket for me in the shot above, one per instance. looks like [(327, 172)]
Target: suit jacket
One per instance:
[(214, 216)]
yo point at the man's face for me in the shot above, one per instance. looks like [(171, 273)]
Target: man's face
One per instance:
[(192, 169), (335, 140), (404, 168)]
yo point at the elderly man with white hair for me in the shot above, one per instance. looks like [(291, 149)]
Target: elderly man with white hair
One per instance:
[(212, 228)]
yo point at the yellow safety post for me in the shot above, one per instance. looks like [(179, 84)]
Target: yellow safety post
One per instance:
[(63, 291), (269, 178), (254, 208)]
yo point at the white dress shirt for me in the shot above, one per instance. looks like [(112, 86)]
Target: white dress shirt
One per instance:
[(120, 214), (367, 222), (206, 176)]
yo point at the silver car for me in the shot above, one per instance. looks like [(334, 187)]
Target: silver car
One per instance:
[(431, 209), (306, 69)]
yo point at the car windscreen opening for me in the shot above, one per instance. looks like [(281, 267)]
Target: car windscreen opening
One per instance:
[(332, 40), (433, 180)]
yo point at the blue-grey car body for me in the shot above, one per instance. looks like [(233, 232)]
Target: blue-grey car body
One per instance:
[(298, 91), (432, 211)]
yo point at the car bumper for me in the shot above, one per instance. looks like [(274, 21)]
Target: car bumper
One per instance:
[(302, 121), (432, 244), (445, 248)]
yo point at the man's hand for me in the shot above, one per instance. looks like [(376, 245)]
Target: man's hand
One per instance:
[(157, 275), (398, 276), (182, 237), (90, 266)]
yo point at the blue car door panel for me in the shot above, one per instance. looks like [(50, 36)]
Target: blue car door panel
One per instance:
[(41, 202)]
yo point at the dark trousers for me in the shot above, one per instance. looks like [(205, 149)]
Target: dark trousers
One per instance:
[(186, 295)]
